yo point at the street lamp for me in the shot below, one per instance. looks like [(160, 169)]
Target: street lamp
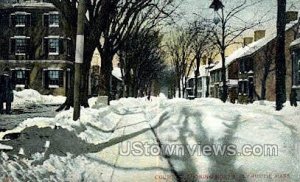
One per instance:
[(216, 5)]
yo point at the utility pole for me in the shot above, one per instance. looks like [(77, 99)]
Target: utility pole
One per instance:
[(79, 58), (280, 55)]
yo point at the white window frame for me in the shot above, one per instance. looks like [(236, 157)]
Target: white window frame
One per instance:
[(24, 70), (56, 13), (56, 53), (52, 69), (23, 38), (19, 13)]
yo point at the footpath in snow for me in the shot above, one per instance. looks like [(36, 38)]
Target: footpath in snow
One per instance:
[(157, 140)]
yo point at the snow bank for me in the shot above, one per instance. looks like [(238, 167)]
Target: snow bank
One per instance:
[(31, 98), (179, 122)]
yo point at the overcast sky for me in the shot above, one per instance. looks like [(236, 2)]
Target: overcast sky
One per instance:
[(269, 7)]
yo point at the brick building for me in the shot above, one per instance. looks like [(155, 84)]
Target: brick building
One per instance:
[(250, 70), (34, 46), (257, 65)]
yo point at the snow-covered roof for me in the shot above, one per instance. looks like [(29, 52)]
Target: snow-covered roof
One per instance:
[(202, 72), (232, 57), (251, 48), (33, 4), (116, 72), (14, 4), (295, 42)]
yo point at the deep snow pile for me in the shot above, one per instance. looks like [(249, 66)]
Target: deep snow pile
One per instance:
[(161, 121), (31, 98)]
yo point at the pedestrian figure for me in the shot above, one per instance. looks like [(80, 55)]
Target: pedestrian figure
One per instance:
[(6, 94)]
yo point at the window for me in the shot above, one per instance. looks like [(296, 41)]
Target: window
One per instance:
[(243, 87), (20, 74), (54, 20), (246, 65), (20, 46), (51, 19), (53, 78), (20, 19), (20, 77), (53, 46)]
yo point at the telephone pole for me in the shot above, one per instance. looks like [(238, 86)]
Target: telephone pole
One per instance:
[(79, 58), (280, 55)]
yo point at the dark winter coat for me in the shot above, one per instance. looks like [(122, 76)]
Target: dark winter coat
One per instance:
[(6, 89)]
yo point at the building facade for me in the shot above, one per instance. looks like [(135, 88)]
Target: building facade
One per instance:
[(257, 77), (250, 70), (34, 46)]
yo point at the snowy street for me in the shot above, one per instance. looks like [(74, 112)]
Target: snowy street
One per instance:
[(122, 142), (19, 115)]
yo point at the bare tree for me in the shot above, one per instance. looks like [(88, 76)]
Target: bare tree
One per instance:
[(200, 32), (180, 52), (229, 26), (141, 62), (128, 18), (112, 21), (268, 57)]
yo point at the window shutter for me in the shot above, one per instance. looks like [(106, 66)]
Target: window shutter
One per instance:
[(69, 47), (12, 46), (61, 78), (46, 47), (27, 79), (12, 20), (28, 20), (46, 79), (46, 20), (14, 77), (61, 46), (28, 50)]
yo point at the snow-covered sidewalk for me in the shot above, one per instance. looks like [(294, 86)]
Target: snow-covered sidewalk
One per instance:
[(129, 140)]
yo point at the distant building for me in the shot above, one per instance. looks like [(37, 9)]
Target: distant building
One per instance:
[(202, 84), (250, 71), (34, 46), (295, 50)]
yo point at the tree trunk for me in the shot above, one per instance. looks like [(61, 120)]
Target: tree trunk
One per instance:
[(149, 90), (196, 76), (263, 89), (70, 95), (183, 81), (106, 69), (178, 86), (280, 55), (84, 84), (223, 77)]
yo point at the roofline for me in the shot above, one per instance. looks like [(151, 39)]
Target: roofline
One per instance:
[(249, 55), (18, 6)]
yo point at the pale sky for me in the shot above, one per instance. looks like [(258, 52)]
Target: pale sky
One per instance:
[(265, 7)]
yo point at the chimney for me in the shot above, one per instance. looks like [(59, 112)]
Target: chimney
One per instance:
[(291, 16), (259, 34), (247, 41)]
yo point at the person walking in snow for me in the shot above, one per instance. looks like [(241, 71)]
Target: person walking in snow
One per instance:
[(7, 95)]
